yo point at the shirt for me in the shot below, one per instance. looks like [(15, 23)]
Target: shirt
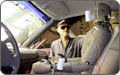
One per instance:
[(73, 48)]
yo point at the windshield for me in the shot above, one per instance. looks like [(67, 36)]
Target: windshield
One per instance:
[(19, 21)]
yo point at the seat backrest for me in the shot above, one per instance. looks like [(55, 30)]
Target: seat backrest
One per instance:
[(89, 49), (109, 60)]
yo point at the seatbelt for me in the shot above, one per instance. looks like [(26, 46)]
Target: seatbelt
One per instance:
[(67, 46)]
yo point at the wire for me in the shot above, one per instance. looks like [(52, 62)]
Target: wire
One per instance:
[(104, 9), (98, 47)]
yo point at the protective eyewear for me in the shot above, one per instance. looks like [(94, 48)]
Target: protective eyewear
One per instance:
[(63, 27)]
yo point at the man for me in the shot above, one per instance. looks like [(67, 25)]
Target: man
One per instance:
[(66, 46)]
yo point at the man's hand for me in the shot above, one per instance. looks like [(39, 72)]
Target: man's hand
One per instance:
[(54, 62)]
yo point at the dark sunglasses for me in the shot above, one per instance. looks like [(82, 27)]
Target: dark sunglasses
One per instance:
[(63, 27)]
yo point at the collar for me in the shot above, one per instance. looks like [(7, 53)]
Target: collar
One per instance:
[(60, 41)]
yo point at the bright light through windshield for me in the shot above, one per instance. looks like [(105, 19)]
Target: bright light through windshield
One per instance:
[(3, 35), (19, 21), (26, 20), (10, 10)]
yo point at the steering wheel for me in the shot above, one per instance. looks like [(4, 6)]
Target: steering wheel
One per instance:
[(8, 58)]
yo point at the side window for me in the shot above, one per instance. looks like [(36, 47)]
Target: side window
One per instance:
[(46, 39)]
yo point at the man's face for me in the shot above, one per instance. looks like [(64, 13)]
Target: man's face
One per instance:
[(63, 29)]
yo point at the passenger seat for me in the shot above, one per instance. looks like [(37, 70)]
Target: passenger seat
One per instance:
[(109, 60)]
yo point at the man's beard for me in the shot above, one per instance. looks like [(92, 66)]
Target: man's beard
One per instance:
[(65, 34)]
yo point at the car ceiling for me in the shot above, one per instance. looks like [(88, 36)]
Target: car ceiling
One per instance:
[(63, 9)]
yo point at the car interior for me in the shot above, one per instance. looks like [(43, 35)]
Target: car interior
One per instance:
[(29, 27)]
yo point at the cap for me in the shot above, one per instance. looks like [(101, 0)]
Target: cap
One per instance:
[(62, 22)]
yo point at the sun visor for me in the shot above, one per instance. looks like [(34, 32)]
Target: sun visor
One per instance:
[(56, 8)]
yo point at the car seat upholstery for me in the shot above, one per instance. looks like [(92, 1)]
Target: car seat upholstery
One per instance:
[(89, 52), (109, 60)]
